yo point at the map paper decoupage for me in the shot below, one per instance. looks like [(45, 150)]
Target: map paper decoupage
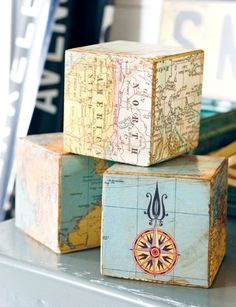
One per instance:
[(58, 195), (165, 223), (131, 102)]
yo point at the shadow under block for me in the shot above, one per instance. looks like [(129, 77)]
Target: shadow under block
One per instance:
[(165, 223), (131, 102), (58, 195)]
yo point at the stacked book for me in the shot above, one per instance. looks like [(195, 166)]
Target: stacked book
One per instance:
[(159, 215)]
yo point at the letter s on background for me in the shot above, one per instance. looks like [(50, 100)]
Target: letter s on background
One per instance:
[(181, 18)]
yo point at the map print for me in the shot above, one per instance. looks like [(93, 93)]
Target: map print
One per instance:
[(58, 194), (177, 106), (125, 102), (80, 216)]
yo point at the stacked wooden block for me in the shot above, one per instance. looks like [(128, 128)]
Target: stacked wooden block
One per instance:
[(139, 105), (58, 194)]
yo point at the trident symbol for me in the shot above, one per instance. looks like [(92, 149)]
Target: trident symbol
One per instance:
[(156, 208)]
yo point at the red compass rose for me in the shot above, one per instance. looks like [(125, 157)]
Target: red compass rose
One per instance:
[(154, 250)]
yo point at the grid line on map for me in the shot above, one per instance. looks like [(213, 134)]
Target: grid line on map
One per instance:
[(174, 223), (143, 209), (137, 210)]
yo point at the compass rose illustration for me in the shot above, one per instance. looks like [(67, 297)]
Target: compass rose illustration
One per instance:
[(154, 250)]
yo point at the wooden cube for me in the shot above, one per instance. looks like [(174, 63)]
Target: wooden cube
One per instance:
[(58, 195), (131, 102), (165, 223)]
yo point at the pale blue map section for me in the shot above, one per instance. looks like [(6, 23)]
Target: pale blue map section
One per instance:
[(81, 191), (187, 205), (81, 186)]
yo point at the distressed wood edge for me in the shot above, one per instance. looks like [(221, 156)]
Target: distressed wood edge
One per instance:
[(177, 155), (181, 282), (157, 174), (221, 167), (102, 222), (140, 57), (212, 280), (153, 118), (101, 246), (180, 55), (174, 176), (59, 174), (224, 163), (209, 233)]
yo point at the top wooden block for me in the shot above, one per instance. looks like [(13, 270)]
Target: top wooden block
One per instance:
[(131, 102)]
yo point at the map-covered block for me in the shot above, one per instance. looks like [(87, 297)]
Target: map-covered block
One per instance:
[(131, 102), (165, 223), (58, 195)]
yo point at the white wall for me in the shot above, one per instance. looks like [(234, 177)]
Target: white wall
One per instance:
[(137, 20)]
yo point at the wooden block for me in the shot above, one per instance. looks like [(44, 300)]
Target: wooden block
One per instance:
[(58, 195), (132, 103), (165, 223)]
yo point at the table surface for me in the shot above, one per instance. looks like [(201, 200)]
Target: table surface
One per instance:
[(33, 276)]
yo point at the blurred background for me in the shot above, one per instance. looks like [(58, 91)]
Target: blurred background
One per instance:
[(35, 34)]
